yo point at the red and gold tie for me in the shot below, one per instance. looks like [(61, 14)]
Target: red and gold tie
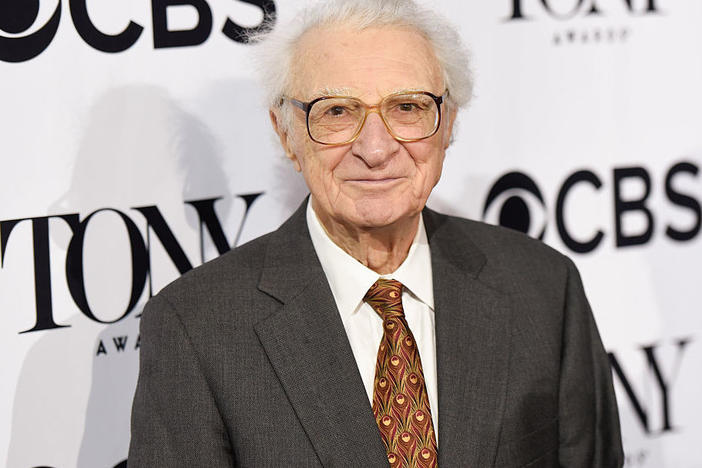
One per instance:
[(400, 402)]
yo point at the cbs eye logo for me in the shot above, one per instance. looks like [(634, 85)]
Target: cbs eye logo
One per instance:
[(516, 202), (16, 18)]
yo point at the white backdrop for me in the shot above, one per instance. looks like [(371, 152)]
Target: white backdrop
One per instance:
[(116, 138)]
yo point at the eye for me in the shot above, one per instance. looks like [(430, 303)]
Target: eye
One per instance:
[(336, 111), (407, 106)]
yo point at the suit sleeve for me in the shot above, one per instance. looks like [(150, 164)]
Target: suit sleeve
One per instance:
[(175, 420), (589, 433)]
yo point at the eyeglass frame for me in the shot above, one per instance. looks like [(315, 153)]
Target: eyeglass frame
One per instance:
[(306, 106)]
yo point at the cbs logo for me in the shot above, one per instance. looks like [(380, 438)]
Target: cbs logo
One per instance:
[(515, 201), (27, 27)]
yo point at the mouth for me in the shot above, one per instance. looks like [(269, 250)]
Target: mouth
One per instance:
[(375, 182)]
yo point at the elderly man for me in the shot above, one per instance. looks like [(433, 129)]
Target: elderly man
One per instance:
[(369, 330)]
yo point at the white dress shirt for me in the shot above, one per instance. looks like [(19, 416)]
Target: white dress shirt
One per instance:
[(350, 280)]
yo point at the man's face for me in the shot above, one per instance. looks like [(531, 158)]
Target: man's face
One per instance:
[(376, 180)]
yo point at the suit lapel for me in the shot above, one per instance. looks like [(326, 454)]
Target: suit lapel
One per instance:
[(472, 345), (307, 345)]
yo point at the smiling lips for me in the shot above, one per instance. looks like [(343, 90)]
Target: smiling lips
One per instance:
[(386, 180)]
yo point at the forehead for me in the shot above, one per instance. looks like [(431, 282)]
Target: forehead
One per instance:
[(369, 63)]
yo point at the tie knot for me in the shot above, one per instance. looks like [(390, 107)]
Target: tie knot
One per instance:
[(385, 296)]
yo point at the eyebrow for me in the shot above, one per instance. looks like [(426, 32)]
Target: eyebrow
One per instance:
[(348, 92), (331, 92)]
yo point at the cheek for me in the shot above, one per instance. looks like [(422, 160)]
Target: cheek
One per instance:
[(430, 178), (319, 164), (437, 166), (429, 161)]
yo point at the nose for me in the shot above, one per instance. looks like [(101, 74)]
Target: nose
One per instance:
[(374, 144)]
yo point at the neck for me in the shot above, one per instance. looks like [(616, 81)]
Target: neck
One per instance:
[(382, 249)]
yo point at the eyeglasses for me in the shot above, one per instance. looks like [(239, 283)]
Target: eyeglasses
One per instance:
[(338, 120)]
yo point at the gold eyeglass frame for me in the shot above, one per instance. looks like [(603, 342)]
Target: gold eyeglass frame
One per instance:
[(306, 106)]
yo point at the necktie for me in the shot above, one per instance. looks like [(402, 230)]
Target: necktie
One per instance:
[(400, 402)]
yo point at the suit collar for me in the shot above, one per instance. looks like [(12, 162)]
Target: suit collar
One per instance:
[(450, 246), (290, 262)]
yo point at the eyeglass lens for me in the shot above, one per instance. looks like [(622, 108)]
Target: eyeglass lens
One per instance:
[(409, 116)]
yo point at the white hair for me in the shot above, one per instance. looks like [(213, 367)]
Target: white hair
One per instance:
[(275, 52)]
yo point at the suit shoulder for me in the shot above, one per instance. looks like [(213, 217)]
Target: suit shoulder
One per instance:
[(494, 239), (499, 239), (510, 257), (236, 270)]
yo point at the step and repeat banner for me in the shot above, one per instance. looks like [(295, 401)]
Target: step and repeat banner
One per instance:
[(135, 145)]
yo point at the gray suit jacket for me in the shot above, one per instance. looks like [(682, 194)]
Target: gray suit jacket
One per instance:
[(245, 361)]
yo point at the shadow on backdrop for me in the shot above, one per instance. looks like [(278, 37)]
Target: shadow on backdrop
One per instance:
[(139, 148)]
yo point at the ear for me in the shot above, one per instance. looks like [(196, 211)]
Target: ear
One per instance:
[(448, 128), (284, 136)]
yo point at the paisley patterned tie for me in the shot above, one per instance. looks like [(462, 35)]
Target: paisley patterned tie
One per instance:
[(400, 402)]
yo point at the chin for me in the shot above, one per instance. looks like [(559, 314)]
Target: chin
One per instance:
[(378, 213)]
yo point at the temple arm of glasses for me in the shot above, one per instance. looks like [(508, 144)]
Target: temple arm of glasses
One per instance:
[(302, 105)]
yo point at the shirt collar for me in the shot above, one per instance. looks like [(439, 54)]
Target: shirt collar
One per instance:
[(415, 272), (349, 279)]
